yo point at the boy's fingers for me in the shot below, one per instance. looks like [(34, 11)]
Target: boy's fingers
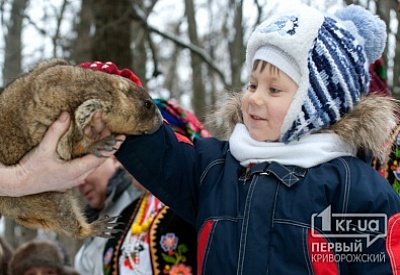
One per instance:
[(96, 129), (97, 123)]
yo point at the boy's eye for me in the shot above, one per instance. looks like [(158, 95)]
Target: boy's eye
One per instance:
[(251, 87), (274, 90)]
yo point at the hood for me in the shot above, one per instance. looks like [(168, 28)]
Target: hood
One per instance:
[(370, 126)]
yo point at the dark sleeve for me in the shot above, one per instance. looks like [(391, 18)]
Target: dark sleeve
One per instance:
[(372, 196), (166, 167)]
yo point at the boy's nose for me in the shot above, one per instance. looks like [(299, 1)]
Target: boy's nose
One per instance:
[(256, 97)]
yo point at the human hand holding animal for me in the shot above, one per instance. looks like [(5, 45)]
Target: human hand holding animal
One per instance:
[(30, 104), (43, 170)]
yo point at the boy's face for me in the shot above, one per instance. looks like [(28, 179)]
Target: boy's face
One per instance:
[(266, 102)]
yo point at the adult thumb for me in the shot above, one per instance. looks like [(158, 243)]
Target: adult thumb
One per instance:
[(55, 131)]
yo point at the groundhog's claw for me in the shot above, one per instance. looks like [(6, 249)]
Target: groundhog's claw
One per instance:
[(105, 227)]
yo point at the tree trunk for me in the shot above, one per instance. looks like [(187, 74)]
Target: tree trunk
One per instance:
[(198, 97), (236, 48), (171, 73), (11, 69), (81, 49), (56, 36), (139, 51), (13, 42), (112, 38), (396, 67), (395, 5), (383, 11)]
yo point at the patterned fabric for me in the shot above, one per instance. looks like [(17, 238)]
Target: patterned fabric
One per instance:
[(181, 120), (111, 68), (332, 58), (390, 169)]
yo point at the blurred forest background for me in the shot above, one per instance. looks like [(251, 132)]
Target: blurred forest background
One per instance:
[(191, 51)]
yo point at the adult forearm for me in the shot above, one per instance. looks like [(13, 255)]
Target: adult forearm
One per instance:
[(13, 181)]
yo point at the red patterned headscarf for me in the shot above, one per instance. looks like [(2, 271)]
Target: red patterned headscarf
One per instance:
[(111, 68)]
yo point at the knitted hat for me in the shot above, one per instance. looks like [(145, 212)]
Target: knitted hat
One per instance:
[(327, 56), (38, 254)]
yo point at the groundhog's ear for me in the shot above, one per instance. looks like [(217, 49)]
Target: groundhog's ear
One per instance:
[(44, 65)]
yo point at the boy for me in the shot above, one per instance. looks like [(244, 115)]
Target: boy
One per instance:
[(287, 194)]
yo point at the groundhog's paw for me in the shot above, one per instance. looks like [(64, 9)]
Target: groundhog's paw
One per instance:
[(107, 144), (85, 111), (105, 227)]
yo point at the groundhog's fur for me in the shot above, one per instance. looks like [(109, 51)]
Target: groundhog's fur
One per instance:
[(32, 102)]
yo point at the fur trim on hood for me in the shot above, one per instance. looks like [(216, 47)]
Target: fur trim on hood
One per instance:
[(369, 127)]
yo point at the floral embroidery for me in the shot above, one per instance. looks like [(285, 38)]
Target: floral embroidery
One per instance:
[(180, 270), (169, 242), (174, 256)]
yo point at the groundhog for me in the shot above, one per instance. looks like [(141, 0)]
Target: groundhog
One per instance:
[(33, 101)]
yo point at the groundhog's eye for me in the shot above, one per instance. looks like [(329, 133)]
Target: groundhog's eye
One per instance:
[(148, 104)]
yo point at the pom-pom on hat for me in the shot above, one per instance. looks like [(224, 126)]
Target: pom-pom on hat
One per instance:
[(327, 56)]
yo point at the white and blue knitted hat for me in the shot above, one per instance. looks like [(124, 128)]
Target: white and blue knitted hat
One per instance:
[(327, 56)]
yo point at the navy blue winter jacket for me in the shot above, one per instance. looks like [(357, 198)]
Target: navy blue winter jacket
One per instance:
[(271, 219)]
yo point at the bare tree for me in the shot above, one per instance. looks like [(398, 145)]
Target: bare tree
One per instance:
[(198, 89), (11, 69), (112, 38), (236, 48), (59, 18), (13, 41), (396, 61), (142, 41), (81, 48), (171, 73)]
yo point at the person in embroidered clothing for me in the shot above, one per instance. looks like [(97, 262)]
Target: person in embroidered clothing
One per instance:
[(108, 191), (286, 194), (155, 240), (389, 168)]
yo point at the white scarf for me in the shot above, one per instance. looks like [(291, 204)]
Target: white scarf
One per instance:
[(307, 152)]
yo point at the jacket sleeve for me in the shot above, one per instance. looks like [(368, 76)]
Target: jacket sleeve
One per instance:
[(370, 195), (165, 166)]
